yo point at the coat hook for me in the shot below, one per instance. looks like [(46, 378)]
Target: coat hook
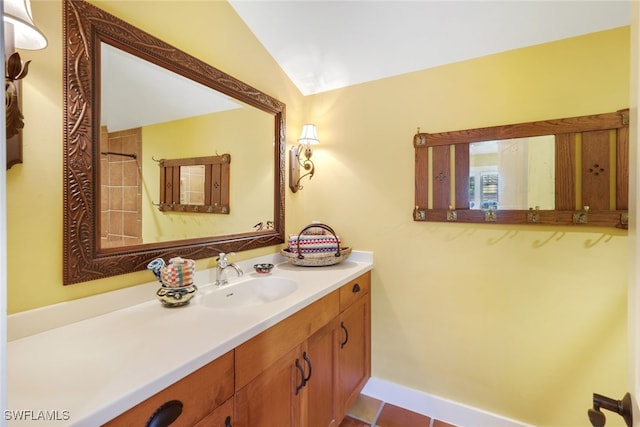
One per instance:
[(490, 215), (452, 215), (419, 139), (533, 215), (582, 216)]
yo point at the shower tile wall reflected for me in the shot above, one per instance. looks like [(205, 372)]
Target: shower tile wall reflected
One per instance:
[(120, 188)]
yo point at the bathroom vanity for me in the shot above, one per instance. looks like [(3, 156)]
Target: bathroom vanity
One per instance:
[(299, 359)]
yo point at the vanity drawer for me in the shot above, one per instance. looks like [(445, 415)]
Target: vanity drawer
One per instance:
[(263, 350), (200, 393), (355, 289)]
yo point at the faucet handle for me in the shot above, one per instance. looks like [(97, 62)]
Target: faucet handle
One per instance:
[(222, 260)]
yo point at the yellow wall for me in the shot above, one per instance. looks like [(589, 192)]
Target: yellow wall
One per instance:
[(523, 321), (251, 176), (520, 320)]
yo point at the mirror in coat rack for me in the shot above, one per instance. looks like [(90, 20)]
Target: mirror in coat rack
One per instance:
[(562, 171)]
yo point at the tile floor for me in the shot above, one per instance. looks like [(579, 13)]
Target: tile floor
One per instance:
[(370, 412)]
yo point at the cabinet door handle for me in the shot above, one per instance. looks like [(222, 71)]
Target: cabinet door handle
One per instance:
[(166, 414), (356, 288), (227, 421), (299, 386), (346, 335), (306, 359)]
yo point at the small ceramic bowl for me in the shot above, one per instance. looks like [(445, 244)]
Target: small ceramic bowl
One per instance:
[(176, 297), (263, 268)]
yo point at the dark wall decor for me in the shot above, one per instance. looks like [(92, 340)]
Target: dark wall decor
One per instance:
[(591, 173)]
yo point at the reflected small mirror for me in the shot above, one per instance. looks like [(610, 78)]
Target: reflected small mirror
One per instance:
[(192, 185)]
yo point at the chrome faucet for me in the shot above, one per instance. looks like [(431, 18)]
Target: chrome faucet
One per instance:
[(223, 264)]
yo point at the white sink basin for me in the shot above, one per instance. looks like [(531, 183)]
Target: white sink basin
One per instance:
[(256, 291)]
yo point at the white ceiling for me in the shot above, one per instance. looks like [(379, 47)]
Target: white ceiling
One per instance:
[(158, 96), (329, 44)]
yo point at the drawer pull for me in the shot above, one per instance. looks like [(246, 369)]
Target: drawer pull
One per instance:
[(306, 359), (346, 335), (227, 422), (356, 288), (299, 386), (166, 414)]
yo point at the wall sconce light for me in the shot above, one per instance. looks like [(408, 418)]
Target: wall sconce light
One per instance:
[(307, 137), (19, 33)]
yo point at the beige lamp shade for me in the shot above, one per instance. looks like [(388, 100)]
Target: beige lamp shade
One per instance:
[(309, 135), (26, 35)]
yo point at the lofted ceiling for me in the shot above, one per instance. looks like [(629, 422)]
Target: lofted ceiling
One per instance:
[(329, 44)]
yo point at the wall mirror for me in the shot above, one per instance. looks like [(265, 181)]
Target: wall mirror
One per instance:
[(514, 173), (234, 119), (563, 171)]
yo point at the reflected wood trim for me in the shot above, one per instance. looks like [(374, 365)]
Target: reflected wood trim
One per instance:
[(84, 27)]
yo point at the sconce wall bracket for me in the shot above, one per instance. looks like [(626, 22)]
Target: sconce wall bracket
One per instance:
[(296, 163), (19, 33), (15, 71)]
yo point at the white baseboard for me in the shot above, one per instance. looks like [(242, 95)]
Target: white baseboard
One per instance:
[(436, 407)]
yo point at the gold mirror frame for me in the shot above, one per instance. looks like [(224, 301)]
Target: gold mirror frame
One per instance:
[(442, 173), (85, 27)]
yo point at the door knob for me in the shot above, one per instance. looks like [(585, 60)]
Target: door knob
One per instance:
[(620, 407)]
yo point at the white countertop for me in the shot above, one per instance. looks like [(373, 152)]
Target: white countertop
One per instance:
[(90, 370)]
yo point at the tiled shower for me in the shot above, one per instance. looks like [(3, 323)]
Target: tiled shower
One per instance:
[(120, 187)]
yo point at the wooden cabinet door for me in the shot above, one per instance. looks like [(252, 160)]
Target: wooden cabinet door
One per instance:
[(321, 372), (354, 354), (273, 398), (200, 393), (221, 417)]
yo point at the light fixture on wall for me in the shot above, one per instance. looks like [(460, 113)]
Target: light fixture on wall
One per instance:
[(19, 33), (307, 137)]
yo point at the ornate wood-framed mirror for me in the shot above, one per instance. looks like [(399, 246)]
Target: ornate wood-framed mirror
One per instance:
[(87, 30), (557, 172)]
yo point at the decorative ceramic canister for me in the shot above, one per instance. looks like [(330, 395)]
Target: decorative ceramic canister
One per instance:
[(176, 297), (176, 279)]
